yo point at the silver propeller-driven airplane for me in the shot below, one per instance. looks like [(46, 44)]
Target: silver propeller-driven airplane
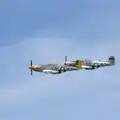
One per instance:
[(52, 68), (91, 64)]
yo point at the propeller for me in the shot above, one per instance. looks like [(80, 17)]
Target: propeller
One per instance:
[(31, 66), (65, 60)]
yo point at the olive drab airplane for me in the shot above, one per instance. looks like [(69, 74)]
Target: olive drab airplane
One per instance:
[(91, 64), (52, 68)]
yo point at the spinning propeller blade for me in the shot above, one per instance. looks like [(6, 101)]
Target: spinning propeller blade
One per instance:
[(31, 66), (65, 60)]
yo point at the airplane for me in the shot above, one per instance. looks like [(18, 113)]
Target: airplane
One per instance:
[(91, 64), (52, 68)]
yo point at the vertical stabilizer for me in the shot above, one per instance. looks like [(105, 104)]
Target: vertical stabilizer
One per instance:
[(111, 59)]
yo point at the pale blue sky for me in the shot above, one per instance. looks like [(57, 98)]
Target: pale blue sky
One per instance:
[(46, 31)]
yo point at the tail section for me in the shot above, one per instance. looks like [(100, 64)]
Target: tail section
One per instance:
[(111, 59)]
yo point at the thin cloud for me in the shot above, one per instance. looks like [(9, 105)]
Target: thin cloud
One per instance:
[(23, 88)]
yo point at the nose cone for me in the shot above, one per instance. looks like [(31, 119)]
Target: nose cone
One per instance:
[(32, 67)]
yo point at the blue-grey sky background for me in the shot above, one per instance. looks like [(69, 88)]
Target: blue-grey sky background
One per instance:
[(46, 31)]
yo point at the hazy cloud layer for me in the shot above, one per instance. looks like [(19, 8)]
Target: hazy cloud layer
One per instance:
[(66, 96)]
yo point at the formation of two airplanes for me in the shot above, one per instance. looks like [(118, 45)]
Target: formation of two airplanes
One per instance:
[(71, 66)]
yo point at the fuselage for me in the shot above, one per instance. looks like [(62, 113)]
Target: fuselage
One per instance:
[(90, 64), (52, 68)]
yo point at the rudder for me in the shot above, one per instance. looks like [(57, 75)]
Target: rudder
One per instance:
[(111, 59)]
